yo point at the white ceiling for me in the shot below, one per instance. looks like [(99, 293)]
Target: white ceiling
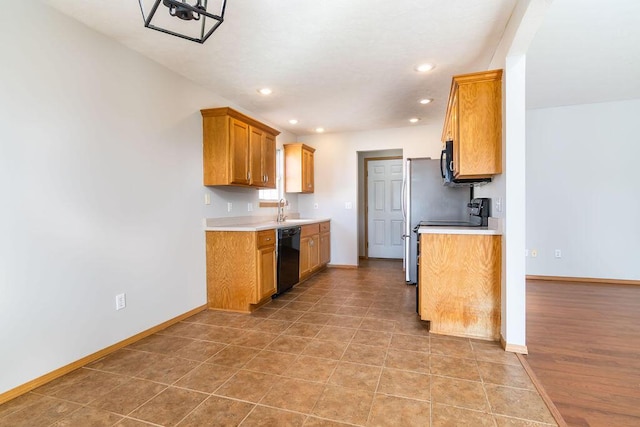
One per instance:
[(349, 65), (345, 65), (586, 51)]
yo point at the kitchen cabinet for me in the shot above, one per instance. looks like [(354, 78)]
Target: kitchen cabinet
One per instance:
[(309, 249), (325, 243), (459, 284), (315, 248), (237, 150), (241, 269), (474, 123), (299, 168)]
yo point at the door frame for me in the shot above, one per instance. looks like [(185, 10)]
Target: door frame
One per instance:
[(366, 198)]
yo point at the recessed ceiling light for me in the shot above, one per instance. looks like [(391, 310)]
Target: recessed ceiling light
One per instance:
[(423, 68), (293, 121), (319, 130), (414, 120), (265, 91), (425, 101)]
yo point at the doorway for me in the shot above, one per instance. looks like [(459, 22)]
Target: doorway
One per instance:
[(380, 220)]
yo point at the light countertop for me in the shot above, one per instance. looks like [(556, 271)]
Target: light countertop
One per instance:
[(430, 229), (255, 223), (494, 229)]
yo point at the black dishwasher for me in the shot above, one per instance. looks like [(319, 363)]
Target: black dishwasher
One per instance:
[(288, 258)]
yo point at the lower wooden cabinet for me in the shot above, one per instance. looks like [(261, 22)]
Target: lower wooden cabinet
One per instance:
[(241, 269), (325, 243), (315, 252), (460, 284)]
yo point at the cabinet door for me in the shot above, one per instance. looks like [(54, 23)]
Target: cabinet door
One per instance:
[(314, 252), (325, 248), (256, 137), (269, 161), (307, 171), (266, 272), (305, 249), (239, 152)]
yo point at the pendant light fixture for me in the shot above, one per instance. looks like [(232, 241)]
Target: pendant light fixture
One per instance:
[(193, 20)]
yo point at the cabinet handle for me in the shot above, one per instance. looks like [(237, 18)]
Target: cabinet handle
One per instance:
[(249, 176), (267, 239)]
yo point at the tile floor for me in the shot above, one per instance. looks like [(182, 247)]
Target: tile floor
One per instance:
[(343, 348)]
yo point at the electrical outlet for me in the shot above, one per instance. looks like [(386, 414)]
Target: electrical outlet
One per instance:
[(229, 206), (499, 204), (348, 205), (249, 207), (558, 253), (526, 252), (121, 301), (534, 253), (315, 206), (207, 198)]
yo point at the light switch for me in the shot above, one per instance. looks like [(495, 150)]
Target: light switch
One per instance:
[(348, 205), (207, 198)]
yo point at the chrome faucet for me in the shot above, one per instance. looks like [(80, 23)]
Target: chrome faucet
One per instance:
[(281, 204)]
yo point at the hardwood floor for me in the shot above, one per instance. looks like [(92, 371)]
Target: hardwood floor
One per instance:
[(584, 346)]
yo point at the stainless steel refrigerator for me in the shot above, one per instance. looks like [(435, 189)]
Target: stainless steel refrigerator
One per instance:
[(427, 199)]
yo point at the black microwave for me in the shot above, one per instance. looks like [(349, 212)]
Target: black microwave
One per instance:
[(446, 170)]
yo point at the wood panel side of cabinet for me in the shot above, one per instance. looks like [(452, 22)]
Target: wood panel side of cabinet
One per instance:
[(299, 168), (215, 150), (308, 181), (293, 168), (460, 284), (480, 130), (231, 270)]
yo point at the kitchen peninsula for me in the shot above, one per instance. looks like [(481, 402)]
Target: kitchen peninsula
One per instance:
[(241, 258), (459, 280)]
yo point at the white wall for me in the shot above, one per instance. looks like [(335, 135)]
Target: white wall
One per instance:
[(100, 179), (583, 193), (336, 177)]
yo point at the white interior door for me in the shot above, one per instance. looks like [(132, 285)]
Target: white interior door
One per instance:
[(384, 209)]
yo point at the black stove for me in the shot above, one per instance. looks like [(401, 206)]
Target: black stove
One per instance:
[(478, 216)]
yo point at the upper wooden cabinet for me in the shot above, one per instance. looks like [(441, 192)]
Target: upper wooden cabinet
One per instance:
[(237, 150), (474, 123), (298, 168)]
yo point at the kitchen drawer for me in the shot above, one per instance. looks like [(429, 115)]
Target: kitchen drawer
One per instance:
[(310, 230), (266, 238), (324, 227)]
